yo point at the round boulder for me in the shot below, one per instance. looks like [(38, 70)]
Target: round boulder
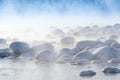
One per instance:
[(66, 52), (42, 46), (19, 48), (45, 56), (83, 55), (106, 53), (81, 45), (111, 69), (67, 41)]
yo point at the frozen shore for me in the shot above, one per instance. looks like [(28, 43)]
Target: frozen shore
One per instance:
[(69, 48)]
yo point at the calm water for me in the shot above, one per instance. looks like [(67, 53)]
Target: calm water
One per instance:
[(21, 70)]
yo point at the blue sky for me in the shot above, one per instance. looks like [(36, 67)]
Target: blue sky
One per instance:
[(79, 7), (19, 16), (61, 6)]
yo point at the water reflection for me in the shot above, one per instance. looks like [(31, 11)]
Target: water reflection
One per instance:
[(29, 70)]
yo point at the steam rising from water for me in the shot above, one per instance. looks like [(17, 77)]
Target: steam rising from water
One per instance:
[(34, 19), (31, 19)]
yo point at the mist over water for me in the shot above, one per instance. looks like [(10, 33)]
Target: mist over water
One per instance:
[(54, 28), (21, 18)]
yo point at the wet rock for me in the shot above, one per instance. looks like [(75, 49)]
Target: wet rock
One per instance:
[(87, 73), (111, 69), (5, 53)]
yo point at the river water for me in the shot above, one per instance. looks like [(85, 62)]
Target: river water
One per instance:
[(29, 70)]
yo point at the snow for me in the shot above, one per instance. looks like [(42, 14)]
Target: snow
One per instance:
[(57, 32), (42, 46), (3, 43), (63, 59), (67, 41), (81, 45), (109, 42), (115, 45), (113, 37), (106, 53), (82, 61), (68, 49), (95, 62), (66, 52), (45, 56), (114, 60), (83, 55)]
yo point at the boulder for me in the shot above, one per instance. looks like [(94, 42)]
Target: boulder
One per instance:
[(87, 73), (42, 46), (106, 53), (81, 45), (45, 56), (83, 55), (111, 69), (19, 48)]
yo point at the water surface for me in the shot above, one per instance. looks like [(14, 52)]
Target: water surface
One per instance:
[(29, 70)]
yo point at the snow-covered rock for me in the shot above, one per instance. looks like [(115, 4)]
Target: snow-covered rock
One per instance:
[(63, 59), (109, 42), (115, 45), (3, 43), (45, 56), (19, 48), (106, 53), (66, 52), (57, 32), (67, 41), (65, 55), (95, 62), (83, 55), (81, 45), (111, 69), (87, 73), (42, 46), (114, 60), (82, 61), (113, 37)]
